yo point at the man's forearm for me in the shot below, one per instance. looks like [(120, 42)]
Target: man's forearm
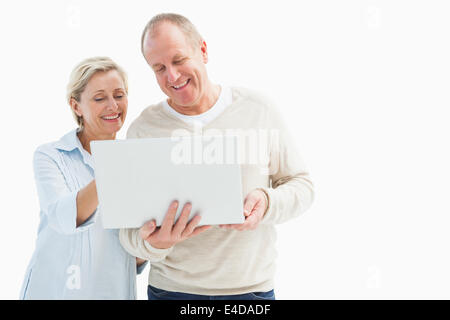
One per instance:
[(289, 199), (137, 247)]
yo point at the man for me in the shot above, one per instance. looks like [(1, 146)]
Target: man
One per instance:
[(231, 261)]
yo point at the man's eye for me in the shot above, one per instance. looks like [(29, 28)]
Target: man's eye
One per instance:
[(119, 97), (98, 99), (160, 69)]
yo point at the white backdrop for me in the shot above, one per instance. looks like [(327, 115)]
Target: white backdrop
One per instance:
[(363, 86)]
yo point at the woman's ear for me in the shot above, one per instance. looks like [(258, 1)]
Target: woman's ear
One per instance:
[(75, 106)]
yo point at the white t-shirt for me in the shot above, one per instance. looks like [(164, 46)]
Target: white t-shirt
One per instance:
[(224, 100)]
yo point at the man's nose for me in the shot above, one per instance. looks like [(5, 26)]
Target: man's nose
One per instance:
[(172, 75)]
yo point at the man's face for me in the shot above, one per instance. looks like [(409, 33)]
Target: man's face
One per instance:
[(179, 68)]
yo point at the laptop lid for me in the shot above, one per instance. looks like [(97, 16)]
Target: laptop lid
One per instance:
[(137, 179)]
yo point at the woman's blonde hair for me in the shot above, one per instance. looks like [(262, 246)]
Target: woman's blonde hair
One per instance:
[(83, 72)]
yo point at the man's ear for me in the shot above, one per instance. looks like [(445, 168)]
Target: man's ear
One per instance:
[(75, 106), (204, 51)]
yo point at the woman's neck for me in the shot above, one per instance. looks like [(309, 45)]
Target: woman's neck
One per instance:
[(86, 137)]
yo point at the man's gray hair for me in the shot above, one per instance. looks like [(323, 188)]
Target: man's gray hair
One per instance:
[(183, 23)]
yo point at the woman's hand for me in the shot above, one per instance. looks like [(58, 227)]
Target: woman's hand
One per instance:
[(169, 233), (140, 261)]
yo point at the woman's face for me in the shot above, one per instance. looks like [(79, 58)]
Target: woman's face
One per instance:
[(103, 105)]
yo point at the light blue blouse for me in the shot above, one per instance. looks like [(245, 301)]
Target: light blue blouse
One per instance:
[(87, 262)]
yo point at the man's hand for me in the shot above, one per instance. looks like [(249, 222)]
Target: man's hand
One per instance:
[(169, 234), (255, 206)]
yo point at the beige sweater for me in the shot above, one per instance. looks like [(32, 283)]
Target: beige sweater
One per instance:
[(220, 261)]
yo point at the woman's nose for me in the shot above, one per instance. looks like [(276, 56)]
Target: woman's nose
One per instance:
[(112, 104)]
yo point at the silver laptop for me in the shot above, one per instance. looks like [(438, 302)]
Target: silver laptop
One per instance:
[(137, 179)]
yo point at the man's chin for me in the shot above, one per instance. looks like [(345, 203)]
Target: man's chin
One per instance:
[(184, 105)]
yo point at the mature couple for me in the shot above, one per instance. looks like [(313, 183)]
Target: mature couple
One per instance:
[(75, 258)]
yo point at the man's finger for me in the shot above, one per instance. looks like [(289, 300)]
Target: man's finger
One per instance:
[(169, 219), (199, 230), (183, 219), (191, 226), (229, 226), (249, 204), (233, 225), (245, 225), (236, 226), (147, 229), (250, 222)]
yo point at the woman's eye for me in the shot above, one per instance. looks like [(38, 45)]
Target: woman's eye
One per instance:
[(119, 97), (98, 99)]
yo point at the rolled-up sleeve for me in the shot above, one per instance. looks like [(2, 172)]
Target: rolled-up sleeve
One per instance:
[(57, 202)]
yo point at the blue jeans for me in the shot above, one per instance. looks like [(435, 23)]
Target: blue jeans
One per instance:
[(159, 294)]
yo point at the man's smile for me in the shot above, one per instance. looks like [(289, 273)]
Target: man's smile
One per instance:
[(181, 85)]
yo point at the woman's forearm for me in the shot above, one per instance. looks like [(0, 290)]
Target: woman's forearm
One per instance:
[(87, 202)]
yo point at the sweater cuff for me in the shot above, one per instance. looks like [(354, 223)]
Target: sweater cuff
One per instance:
[(269, 199), (154, 254), (266, 194)]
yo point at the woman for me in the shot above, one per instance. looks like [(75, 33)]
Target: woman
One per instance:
[(75, 258)]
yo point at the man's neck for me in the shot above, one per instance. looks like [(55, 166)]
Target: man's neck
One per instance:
[(205, 103)]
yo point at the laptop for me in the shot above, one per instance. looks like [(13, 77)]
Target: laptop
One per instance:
[(137, 179)]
